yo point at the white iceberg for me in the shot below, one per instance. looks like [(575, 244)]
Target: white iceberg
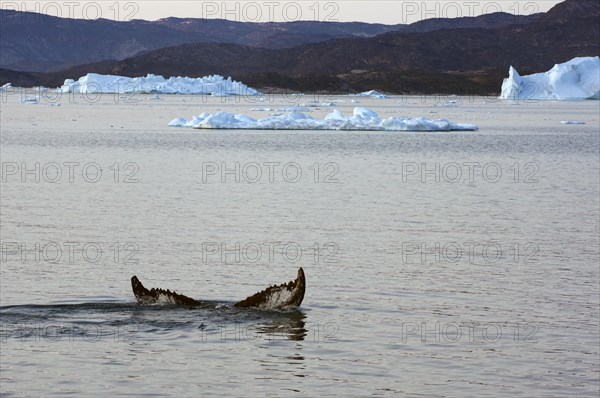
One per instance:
[(577, 79), (30, 101), (372, 94), (572, 122), (294, 109), (318, 105), (215, 85), (361, 119)]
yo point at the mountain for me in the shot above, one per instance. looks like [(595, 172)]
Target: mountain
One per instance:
[(487, 21), (37, 42)]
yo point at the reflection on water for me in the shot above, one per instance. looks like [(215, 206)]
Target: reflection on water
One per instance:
[(126, 322), (290, 326), (289, 361)]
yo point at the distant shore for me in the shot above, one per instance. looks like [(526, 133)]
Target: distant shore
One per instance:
[(467, 83)]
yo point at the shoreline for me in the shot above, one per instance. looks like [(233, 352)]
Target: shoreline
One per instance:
[(405, 82)]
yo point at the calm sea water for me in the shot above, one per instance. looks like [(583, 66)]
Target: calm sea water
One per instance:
[(438, 264)]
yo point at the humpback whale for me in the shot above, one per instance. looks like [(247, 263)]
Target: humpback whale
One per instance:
[(274, 297)]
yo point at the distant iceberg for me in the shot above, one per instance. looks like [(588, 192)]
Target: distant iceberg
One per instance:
[(576, 79), (214, 85), (372, 94), (361, 119)]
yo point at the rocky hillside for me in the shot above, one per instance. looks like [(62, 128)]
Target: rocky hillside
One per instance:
[(36, 42)]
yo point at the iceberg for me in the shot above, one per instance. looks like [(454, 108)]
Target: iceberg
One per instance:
[(572, 122), (318, 105), (151, 84), (361, 119), (576, 79), (372, 94), (29, 101)]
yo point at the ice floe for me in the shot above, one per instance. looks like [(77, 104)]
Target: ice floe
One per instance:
[(577, 79), (294, 109), (29, 101), (214, 85), (361, 119), (572, 122), (372, 94), (318, 105)]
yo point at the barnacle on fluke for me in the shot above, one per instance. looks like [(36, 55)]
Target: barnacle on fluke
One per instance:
[(274, 297)]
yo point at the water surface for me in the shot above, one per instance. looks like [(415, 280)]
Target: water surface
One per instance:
[(420, 281)]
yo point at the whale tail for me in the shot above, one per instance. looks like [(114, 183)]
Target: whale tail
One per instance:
[(288, 294), (281, 296), (158, 296)]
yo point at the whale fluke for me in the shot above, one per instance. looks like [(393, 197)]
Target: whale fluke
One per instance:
[(288, 294), (158, 296), (275, 297)]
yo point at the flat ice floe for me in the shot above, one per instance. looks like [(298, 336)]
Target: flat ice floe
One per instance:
[(577, 79), (572, 122), (214, 85), (361, 119), (372, 94)]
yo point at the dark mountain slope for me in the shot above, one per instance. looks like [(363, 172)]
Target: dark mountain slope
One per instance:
[(37, 42), (550, 39)]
